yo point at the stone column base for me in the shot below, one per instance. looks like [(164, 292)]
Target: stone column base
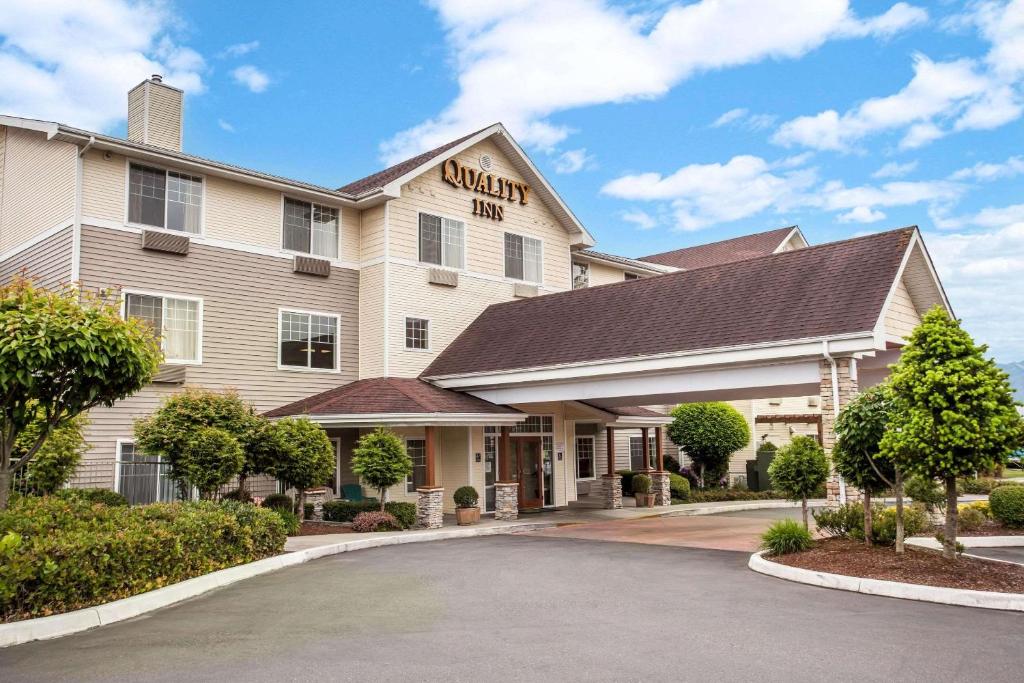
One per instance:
[(660, 488), (428, 508), (612, 491), (832, 492), (317, 497), (506, 501)]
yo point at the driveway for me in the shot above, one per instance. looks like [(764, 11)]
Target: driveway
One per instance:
[(530, 607), (1011, 554)]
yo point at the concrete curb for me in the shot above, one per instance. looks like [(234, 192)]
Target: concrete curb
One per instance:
[(57, 625), (890, 589), (742, 507), (971, 542)]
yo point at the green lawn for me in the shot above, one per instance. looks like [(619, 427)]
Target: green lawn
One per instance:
[(1012, 474)]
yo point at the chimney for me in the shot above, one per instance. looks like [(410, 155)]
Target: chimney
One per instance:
[(155, 113)]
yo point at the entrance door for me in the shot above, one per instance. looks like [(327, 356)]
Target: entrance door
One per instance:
[(530, 474)]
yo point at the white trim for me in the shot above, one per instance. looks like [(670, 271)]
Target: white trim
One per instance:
[(76, 235), (337, 341), (469, 448), (792, 233), (387, 289), (37, 239), (292, 252), (128, 161), (410, 480), (47, 127), (405, 336), (465, 242), (170, 295), (336, 440), (418, 419), (486, 277), (576, 455), (504, 257)]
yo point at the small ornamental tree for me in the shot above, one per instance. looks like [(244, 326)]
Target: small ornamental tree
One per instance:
[(954, 410), (798, 470), (709, 433), (380, 460), (209, 458), (62, 353), (56, 460), (857, 458), (308, 459)]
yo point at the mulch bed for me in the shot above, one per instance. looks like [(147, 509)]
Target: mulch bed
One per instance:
[(319, 528), (916, 565), (992, 529)]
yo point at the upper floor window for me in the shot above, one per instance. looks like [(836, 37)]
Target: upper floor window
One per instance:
[(308, 340), (310, 228), (523, 258), (630, 276), (442, 241), (417, 333), (165, 199), (580, 275), (175, 320)]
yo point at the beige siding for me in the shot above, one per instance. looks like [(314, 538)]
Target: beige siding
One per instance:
[(48, 263), (241, 294), (39, 186), (371, 321), (137, 113), (901, 317), (601, 274), (3, 164), (155, 115), (103, 187), (372, 233)]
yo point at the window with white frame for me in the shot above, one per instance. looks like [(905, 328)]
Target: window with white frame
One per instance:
[(442, 241), (523, 257), (174, 320), (580, 275), (310, 228), (165, 199), (417, 334), (142, 478), (417, 452), (636, 452), (584, 457), (308, 340)]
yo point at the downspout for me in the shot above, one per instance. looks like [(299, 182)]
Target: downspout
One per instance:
[(76, 230), (835, 406)]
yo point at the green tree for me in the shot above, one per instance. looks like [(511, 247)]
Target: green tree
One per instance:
[(857, 455), (58, 457), (209, 458), (62, 353), (308, 459), (709, 433), (380, 460), (954, 410), (798, 470)]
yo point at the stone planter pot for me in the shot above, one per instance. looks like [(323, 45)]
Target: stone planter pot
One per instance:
[(467, 516), (644, 500)]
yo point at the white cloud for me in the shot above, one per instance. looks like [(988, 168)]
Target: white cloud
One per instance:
[(899, 17), (641, 219), (239, 49), (984, 172), (74, 62), (861, 214), (225, 126), (729, 116), (521, 61), (744, 117), (252, 78), (895, 170), (574, 160)]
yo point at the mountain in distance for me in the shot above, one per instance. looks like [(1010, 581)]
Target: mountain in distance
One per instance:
[(1016, 373)]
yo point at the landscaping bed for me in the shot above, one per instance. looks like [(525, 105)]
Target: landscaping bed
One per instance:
[(310, 528), (990, 528), (917, 565)]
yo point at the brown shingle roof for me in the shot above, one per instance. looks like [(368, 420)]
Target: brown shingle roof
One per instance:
[(627, 411), (381, 178), (726, 251), (825, 290), (404, 396)]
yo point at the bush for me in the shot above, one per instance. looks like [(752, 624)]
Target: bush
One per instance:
[(671, 464), (845, 521), (786, 536), (925, 491), (290, 520), (56, 460), (627, 481), (970, 519), (380, 461), (105, 496), (466, 497), (346, 511), (60, 554), (641, 484), (980, 486), (719, 495), (979, 505), (375, 520), (1007, 505), (883, 524), (279, 501), (241, 495), (679, 486), (709, 433)]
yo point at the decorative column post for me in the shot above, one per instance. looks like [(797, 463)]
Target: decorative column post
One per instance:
[(659, 478), (430, 497), (646, 450), (612, 481), (506, 491), (834, 397)]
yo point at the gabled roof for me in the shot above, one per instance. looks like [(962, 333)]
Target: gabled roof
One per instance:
[(725, 251), (824, 291), (623, 261), (391, 396)]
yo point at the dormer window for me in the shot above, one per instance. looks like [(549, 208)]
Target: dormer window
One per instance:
[(442, 241)]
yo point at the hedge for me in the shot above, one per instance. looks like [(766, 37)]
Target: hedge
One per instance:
[(718, 495), (346, 510), (59, 554), (1007, 505)]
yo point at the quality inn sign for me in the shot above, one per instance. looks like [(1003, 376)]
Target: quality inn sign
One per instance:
[(459, 175)]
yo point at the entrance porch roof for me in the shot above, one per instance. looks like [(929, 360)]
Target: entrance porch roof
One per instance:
[(395, 401)]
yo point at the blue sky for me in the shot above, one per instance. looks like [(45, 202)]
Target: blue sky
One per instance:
[(662, 124)]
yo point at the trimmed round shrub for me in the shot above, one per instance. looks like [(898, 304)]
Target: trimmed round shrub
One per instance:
[(466, 497), (375, 520), (279, 501), (104, 496), (1007, 505), (970, 519), (641, 484), (679, 486), (786, 536)]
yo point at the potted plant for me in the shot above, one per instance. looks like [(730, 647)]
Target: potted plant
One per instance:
[(466, 509), (642, 491)]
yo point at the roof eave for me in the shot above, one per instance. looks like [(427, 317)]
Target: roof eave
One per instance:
[(349, 420)]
